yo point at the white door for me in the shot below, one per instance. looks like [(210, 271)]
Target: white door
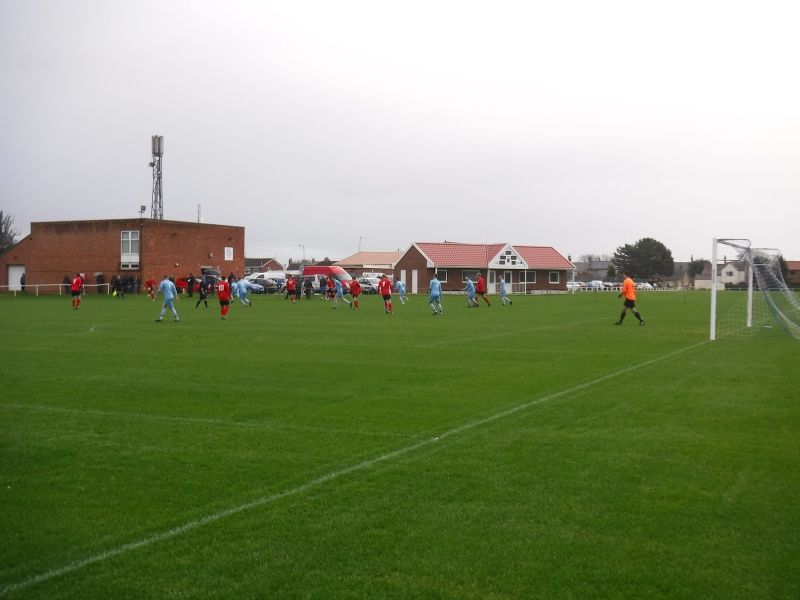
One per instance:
[(403, 277), (15, 272), (414, 281)]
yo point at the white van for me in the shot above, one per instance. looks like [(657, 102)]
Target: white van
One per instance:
[(264, 279)]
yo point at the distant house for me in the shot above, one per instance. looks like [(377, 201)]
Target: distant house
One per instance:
[(728, 274), (261, 265), (732, 273), (793, 276), (591, 270), (528, 269), (680, 277), (371, 262)]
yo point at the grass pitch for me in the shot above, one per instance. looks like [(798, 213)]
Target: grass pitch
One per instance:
[(295, 451)]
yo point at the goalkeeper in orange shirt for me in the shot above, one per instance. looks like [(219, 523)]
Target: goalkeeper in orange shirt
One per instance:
[(629, 291)]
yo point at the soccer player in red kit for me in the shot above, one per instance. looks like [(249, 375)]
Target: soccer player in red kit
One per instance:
[(355, 291), (291, 288), (224, 296), (480, 288), (385, 290), (76, 289), (151, 287), (331, 289)]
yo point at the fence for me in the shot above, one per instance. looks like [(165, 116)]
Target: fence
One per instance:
[(35, 289)]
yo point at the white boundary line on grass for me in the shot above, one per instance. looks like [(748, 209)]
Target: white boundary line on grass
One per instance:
[(264, 500)]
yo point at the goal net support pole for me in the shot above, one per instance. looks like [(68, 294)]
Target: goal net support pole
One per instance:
[(713, 333), (745, 254)]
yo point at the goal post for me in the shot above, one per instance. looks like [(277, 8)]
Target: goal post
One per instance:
[(756, 295)]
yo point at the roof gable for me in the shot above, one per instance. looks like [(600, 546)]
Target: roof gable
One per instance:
[(508, 256)]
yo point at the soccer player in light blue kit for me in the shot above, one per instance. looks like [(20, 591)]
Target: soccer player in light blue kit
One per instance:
[(400, 288), (339, 293), (170, 295), (243, 287), (435, 298), (470, 289), (503, 293)]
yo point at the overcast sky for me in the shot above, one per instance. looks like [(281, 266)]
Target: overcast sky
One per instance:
[(580, 125)]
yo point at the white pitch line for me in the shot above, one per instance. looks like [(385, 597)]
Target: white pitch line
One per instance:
[(201, 421), (264, 500)]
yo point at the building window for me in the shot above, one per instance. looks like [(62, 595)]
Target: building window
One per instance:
[(130, 242), (527, 276), (508, 258), (129, 250), (555, 277), (441, 275)]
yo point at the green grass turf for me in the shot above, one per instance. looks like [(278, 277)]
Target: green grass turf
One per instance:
[(295, 451)]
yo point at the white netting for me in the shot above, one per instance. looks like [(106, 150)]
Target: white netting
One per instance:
[(773, 304)]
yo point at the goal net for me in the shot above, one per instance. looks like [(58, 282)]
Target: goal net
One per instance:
[(748, 292)]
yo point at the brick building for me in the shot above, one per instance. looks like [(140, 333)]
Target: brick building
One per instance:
[(134, 247), (528, 269), (261, 265)]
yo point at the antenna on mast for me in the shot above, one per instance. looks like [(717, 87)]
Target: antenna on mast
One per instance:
[(157, 205)]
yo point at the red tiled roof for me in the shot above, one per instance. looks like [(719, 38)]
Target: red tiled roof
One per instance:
[(371, 258), (454, 254), (793, 265), (542, 257)]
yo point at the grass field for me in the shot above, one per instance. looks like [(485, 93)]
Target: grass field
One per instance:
[(295, 451)]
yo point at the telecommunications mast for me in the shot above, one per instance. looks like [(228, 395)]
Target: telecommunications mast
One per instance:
[(157, 206)]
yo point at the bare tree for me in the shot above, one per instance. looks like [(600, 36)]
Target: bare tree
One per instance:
[(8, 235)]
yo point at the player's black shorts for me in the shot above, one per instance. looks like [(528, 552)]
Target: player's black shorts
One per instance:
[(387, 297), (74, 294), (224, 302), (629, 303)]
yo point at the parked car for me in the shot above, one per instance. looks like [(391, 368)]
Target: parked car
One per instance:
[(332, 271), (313, 273), (183, 285), (644, 286), (267, 284), (369, 285)]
